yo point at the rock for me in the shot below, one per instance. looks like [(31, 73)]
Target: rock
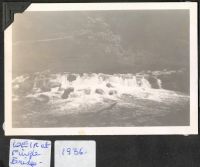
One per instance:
[(109, 85), (153, 82), (71, 77), (42, 98), (99, 91), (112, 92), (67, 91)]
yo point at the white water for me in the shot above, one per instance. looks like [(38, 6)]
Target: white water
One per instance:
[(121, 83), (100, 80), (126, 87), (159, 83)]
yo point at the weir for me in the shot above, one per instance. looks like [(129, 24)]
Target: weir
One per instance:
[(41, 82), (117, 80)]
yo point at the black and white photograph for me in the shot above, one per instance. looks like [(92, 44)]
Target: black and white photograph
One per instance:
[(109, 68)]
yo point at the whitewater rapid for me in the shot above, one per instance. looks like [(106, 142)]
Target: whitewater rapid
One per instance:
[(66, 96), (120, 81), (92, 87)]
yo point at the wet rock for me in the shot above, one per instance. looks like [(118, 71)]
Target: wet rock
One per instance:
[(99, 91), (153, 82), (109, 85), (112, 92), (67, 91), (71, 77)]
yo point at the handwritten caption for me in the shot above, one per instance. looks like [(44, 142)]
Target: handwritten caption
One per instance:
[(29, 153), (75, 153)]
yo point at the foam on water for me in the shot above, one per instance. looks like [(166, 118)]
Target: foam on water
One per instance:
[(131, 98), (99, 80), (85, 87)]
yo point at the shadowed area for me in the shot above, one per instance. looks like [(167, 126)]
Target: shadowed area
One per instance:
[(101, 41)]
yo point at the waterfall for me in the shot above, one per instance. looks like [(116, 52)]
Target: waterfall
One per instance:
[(100, 80), (93, 81), (159, 83), (93, 84), (145, 83)]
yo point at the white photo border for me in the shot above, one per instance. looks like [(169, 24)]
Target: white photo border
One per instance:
[(158, 130)]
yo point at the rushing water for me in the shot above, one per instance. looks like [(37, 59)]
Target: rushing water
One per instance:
[(49, 100)]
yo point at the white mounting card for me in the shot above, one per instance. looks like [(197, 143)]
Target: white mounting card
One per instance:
[(29, 153), (75, 153)]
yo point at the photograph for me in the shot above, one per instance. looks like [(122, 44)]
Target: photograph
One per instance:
[(102, 68)]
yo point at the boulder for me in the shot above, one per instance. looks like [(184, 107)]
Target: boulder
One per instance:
[(112, 92), (109, 85), (153, 82), (67, 91), (71, 77), (99, 91)]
